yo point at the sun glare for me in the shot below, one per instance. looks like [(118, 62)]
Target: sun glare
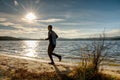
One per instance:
[(31, 47), (30, 16)]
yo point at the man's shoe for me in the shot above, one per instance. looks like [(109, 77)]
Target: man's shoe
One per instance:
[(51, 63), (60, 58)]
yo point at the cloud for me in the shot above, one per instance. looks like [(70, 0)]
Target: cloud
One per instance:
[(69, 23), (10, 17), (7, 24), (3, 19), (19, 27), (80, 33), (16, 3), (37, 1), (79, 23), (4, 32), (51, 20), (114, 32), (27, 32), (13, 25), (71, 33)]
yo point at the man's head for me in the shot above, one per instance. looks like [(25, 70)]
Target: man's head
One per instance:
[(49, 27)]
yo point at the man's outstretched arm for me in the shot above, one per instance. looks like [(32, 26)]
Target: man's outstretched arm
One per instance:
[(48, 36), (56, 36)]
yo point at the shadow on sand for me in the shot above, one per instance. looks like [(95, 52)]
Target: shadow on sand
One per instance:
[(63, 75)]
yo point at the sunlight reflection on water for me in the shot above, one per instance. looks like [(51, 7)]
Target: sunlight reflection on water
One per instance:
[(70, 50), (30, 51)]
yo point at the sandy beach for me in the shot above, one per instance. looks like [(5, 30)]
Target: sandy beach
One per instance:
[(17, 65), (11, 63)]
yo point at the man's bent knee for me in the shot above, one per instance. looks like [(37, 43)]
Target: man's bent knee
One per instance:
[(49, 52)]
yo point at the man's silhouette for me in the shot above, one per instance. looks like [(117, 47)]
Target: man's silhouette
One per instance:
[(52, 36)]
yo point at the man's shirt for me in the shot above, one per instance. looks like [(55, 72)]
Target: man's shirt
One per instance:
[(52, 36)]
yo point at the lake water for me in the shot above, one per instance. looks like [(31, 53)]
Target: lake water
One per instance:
[(70, 50)]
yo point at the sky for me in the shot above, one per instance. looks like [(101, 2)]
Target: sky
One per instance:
[(69, 18)]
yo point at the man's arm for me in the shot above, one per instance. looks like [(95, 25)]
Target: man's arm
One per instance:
[(56, 36), (48, 36)]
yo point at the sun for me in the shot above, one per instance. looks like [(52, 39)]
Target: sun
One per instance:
[(30, 16)]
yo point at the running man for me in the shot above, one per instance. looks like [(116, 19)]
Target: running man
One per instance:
[(52, 36)]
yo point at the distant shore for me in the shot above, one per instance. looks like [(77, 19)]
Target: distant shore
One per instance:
[(61, 39)]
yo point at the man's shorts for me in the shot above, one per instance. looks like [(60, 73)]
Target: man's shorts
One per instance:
[(51, 48)]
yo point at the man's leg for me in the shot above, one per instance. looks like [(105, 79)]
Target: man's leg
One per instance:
[(59, 56), (50, 51), (50, 55)]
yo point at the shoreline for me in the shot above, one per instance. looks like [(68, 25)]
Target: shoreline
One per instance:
[(36, 59)]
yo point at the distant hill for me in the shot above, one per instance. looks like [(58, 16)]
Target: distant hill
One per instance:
[(61, 39), (113, 38), (14, 38), (106, 38), (8, 38)]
